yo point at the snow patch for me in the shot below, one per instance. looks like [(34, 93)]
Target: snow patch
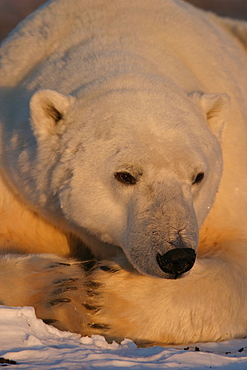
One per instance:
[(33, 345)]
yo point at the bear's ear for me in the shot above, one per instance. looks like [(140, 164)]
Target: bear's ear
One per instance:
[(47, 108), (215, 108)]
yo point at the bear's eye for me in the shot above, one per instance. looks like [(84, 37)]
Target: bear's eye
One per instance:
[(199, 177), (125, 177)]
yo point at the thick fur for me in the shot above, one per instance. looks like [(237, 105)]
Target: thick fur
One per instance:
[(123, 137)]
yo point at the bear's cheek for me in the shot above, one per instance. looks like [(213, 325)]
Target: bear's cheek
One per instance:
[(204, 198), (93, 207)]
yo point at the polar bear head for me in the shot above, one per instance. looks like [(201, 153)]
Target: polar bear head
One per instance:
[(136, 169)]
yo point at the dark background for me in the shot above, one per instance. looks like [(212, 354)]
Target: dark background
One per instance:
[(13, 11)]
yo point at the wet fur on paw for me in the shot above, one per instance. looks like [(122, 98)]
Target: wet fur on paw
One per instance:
[(56, 287), (73, 298), (82, 297)]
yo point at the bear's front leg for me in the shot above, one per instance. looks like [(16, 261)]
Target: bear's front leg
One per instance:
[(208, 304), (56, 287)]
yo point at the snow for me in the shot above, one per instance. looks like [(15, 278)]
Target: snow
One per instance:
[(35, 345)]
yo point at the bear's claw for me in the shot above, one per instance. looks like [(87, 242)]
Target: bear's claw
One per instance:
[(68, 294)]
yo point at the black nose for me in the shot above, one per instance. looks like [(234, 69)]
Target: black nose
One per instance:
[(177, 261)]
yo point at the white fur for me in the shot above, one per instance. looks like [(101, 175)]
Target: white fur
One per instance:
[(158, 90)]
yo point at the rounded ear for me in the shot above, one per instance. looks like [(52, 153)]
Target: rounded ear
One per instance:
[(47, 108), (215, 108)]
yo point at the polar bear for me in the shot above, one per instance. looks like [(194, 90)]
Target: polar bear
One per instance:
[(123, 170)]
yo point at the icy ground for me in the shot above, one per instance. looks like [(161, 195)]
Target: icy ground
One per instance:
[(34, 345)]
